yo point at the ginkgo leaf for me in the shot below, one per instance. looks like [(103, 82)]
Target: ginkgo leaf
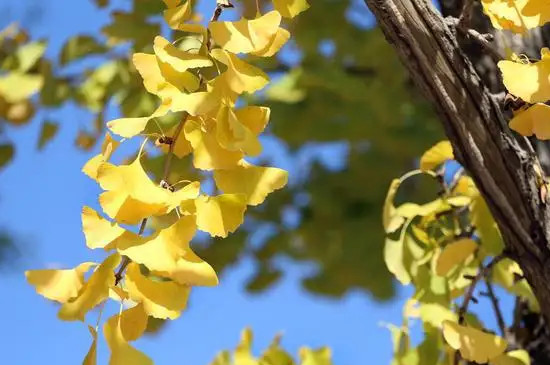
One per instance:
[(47, 132), (534, 120), (320, 356), (99, 232), (435, 314), (473, 344), (436, 155), (201, 102), (390, 219), (177, 15), (454, 254), (168, 253), (528, 81), (161, 79), (15, 87), (133, 322), (233, 135), (290, 8), (517, 15), (220, 215), (245, 36), (243, 352), (277, 42), (121, 352), (180, 60), (207, 152), (132, 196), (516, 357), (59, 285), (393, 257), (91, 356), (130, 127), (255, 182), (240, 76), (107, 148), (254, 118), (161, 299), (93, 292)]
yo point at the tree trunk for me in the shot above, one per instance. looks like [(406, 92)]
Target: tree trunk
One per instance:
[(500, 162)]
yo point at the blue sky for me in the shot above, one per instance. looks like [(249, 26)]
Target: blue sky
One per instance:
[(41, 196)]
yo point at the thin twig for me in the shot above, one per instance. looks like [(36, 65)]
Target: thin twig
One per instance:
[(483, 272), (496, 307), (469, 296), (125, 259)]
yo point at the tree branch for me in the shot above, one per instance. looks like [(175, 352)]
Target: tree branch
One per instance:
[(500, 163)]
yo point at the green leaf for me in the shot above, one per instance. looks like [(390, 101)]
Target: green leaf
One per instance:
[(78, 47), (6, 154), (393, 256), (47, 132), (486, 227)]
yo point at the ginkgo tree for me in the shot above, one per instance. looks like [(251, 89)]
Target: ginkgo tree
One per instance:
[(484, 226), (488, 225)]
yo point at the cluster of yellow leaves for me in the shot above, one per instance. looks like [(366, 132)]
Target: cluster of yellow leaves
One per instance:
[(273, 355), (200, 86), (432, 247), (517, 15), (526, 80)]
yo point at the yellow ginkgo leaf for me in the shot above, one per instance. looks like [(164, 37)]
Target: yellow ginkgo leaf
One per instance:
[(93, 292), (177, 15), (180, 60), (233, 135), (107, 148), (473, 344), (130, 127), (254, 117), (393, 257), (240, 76), (207, 152), (243, 352), (529, 81), (220, 215), (517, 15), (121, 352), (320, 356), (276, 43), (255, 182), (534, 120), (516, 357), (290, 8), (161, 79), (168, 253), (201, 102), (59, 285), (132, 196), (245, 36), (390, 219), (436, 155), (435, 314), (91, 356), (161, 299), (98, 231), (133, 322), (454, 254), (15, 86)]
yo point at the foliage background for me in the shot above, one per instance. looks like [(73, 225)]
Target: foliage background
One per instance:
[(308, 264)]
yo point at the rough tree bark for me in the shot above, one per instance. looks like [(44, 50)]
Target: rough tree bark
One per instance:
[(501, 163)]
